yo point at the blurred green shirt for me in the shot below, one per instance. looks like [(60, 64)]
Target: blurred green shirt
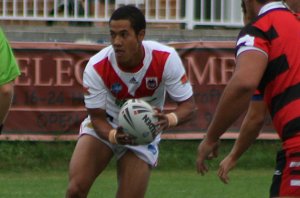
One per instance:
[(9, 68)]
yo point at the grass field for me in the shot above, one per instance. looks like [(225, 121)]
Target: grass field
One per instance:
[(39, 169), (163, 184)]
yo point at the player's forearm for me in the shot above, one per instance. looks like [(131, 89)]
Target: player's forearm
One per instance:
[(233, 103), (251, 126), (99, 122), (247, 136), (185, 110), (102, 128)]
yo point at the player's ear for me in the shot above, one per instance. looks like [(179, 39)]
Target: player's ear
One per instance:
[(141, 35)]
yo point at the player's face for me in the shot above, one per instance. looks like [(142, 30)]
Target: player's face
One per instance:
[(126, 43)]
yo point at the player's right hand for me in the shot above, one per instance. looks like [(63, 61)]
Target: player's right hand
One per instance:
[(124, 138), (206, 151)]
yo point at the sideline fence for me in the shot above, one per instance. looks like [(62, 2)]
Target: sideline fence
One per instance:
[(188, 13)]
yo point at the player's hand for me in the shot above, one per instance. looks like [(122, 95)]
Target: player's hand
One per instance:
[(215, 152), (162, 122), (206, 150), (124, 138), (227, 164)]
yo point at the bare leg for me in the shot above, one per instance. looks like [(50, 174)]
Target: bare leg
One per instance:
[(89, 159), (133, 176)]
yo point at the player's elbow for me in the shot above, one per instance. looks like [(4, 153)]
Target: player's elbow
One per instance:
[(7, 90), (243, 83)]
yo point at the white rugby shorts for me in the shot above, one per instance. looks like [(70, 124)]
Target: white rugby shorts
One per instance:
[(148, 153)]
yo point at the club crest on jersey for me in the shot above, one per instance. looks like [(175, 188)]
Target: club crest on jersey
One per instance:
[(116, 88), (151, 82)]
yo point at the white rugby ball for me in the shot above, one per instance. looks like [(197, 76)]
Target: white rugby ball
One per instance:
[(136, 118)]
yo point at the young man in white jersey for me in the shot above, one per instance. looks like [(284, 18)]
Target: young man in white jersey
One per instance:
[(128, 68)]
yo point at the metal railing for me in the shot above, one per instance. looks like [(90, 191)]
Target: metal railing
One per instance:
[(191, 13)]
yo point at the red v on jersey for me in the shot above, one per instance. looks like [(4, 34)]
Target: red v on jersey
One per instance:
[(147, 83)]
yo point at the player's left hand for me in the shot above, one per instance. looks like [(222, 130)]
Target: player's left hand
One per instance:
[(124, 138), (206, 150), (162, 122), (226, 165)]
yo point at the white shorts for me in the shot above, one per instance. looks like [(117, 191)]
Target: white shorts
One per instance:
[(148, 153)]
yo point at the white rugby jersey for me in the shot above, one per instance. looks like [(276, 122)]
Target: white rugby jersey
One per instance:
[(108, 87)]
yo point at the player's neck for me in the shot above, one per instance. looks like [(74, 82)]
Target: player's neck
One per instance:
[(135, 64)]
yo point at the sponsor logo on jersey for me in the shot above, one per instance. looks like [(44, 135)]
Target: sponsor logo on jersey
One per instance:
[(151, 82), (152, 149), (277, 172), (120, 102), (133, 81), (116, 88), (295, 182), (294, 164)]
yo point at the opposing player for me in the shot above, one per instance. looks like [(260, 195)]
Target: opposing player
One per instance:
[(9, 70), (254, 119), (128, 68), (267, 59)]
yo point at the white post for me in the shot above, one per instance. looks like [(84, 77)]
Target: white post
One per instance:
[(189, 14)]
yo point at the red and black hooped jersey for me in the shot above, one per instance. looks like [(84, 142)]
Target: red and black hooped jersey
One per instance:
[(276, 33)]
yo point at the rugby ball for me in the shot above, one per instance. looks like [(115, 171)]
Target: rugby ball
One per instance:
[(136, 118)]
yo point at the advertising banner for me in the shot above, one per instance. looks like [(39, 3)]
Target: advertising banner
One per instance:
[(49, 96)]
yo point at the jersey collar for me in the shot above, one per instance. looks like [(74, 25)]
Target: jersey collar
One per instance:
[(271, 6)]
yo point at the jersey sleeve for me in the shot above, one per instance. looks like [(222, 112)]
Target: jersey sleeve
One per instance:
[(95, 92), (252, 37), (9, 68), (177, 84)]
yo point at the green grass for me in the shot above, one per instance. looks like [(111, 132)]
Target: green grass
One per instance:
[(163, 184), (174, 154), (187, 184), (39, 169)]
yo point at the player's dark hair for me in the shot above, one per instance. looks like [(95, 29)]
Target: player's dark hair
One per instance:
[(131, 13)]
